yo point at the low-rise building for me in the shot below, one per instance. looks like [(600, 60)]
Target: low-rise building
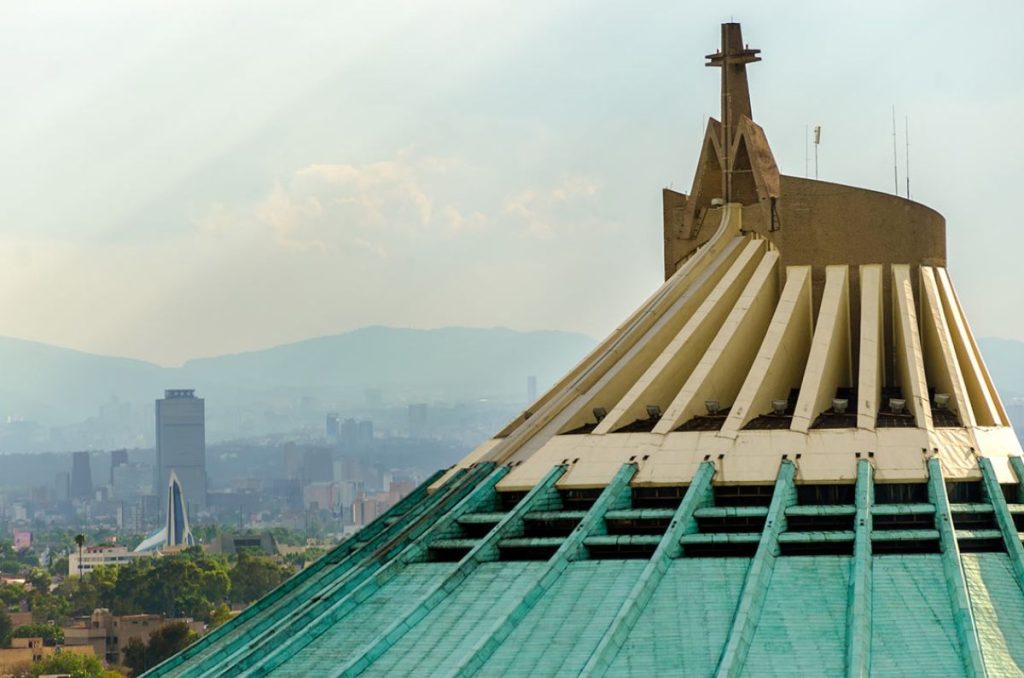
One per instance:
[(24, 651), (97, 556), (108, 634)]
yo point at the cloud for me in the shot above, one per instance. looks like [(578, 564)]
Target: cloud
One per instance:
[(332, 207), (544, 211)]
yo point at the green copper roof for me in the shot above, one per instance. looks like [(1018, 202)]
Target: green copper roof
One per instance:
[(465, 581)]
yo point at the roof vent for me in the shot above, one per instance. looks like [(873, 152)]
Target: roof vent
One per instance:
[(779, 406), (717, 202), (897, 405), (712, 406), (941, 400), (839, 405)]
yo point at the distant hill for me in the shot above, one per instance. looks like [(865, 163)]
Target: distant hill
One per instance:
[(55, 385)]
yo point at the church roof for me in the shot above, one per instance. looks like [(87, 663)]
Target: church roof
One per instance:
[(790, 460)]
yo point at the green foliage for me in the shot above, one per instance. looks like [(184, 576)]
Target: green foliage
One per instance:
[(300, 559), (47, 607), (16, 563), (75, 665), (5, 628), (254, 575), (39, 579), (221, 614), (52, 634), (59, 566), (164, 642)]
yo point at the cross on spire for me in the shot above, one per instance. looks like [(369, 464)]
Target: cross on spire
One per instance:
[(732, 58)]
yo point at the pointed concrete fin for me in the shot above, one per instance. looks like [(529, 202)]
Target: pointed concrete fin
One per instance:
[(707, 181), (527, 434), (724, 366), (988, 410), (829, 362), (666, 372), (870, 375), (941, 366), (907, 345), (782, 354)]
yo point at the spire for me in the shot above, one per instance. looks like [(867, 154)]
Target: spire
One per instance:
[(732, 58)]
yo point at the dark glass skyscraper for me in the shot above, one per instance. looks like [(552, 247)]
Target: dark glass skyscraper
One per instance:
[(181, 444)]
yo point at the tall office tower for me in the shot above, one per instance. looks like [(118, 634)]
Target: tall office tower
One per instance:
[(117, 458), (62, 486), (81, 476), (531, 390), (181, 445), (332, 428)]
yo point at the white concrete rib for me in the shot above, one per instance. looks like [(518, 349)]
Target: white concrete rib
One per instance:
[(940, 362), (724, 366), (988, 409), (907, 345), (781, 356), (829, 361), (870, 373), (665, 373)]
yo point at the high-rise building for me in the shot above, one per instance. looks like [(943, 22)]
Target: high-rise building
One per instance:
[(181, 444), (417, 420), (81, 476), (62, 486), (117, 458), (332, 426), (531, 390), (790, 461)]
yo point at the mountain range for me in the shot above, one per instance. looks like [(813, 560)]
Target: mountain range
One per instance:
[(59, 386), (56, 386)]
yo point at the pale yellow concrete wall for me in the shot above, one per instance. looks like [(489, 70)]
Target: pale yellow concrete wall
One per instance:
[(940, 363), (780, 359), (724, 366), (870, 375), (660, 382), (828, 363), (907, 346)]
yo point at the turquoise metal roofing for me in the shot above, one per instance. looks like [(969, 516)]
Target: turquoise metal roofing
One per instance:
[(467, 582)]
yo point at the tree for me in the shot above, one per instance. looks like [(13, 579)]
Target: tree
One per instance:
[(49, 632), (135, 656), (39, 579), (5, 628), (254, 575), (70, 663), (80, 543), (164, 642), (221, 614)]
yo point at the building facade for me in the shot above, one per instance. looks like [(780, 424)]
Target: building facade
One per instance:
[(181, 445)]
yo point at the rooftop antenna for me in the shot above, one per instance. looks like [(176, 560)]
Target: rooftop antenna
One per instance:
[(817, 141), (895, 169), (807, 150), (906, 136)]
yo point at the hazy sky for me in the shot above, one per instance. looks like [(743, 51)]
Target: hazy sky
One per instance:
[(187, 179)]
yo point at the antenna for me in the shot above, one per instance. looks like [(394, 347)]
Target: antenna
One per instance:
[(817, 141), (895, 169), (807, 150), (906, 136)]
